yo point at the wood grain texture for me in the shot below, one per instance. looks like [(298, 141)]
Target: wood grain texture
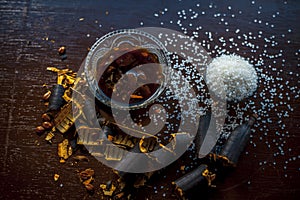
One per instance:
[(30, 34)]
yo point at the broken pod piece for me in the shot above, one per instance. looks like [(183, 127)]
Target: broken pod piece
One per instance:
[(199, 177)]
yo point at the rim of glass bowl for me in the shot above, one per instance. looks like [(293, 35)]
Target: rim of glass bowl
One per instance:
[(97, 52)]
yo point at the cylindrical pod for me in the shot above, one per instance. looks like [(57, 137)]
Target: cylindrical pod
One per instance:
[(237, 142), (56, 100), (196, 178), (201, 132)]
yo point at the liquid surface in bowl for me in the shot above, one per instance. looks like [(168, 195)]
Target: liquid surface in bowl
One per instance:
[(131, 62)]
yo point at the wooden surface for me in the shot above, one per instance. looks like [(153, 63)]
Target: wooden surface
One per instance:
[(32, 31)]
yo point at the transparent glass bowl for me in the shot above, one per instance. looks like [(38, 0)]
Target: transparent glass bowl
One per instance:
[(103, 53)]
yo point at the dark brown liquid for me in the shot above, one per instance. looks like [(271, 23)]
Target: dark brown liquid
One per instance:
[(130, 60)]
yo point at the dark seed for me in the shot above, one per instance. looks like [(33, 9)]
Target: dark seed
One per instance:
[(39, 129), (47, 95), (47, 125), (46, 117), (62, 50)]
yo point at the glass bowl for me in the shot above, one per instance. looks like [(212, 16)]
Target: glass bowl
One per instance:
[(104, 52)]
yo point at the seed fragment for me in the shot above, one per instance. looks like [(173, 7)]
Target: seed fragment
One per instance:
[(47, 125), (39, 129), (46, 117)]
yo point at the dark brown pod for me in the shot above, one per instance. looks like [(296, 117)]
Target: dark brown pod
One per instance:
[(47, 125), (39, 129), (198, 178), (56, 100), (46, 117), (237, 142), (201, 132)]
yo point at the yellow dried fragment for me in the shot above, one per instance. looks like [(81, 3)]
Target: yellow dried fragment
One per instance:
[(64, 150), (88, 181), (56, 177), (60, 79), (59, 71), (67, 96), (64, 119), (147, 144), (108, 191), (126, 141), (50, 135), (70, 79)]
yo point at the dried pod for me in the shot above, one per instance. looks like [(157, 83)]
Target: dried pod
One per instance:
[(46, 117), (56, 100), (202, 132), (47, 125), (47, 95), (196, 178), (236, 143), (39, 129)]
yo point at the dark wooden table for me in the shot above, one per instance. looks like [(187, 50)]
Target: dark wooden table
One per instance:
[(32, 31)]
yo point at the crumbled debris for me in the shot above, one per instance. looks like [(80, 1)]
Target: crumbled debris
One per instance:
[(86, 178), (108, 188), (64, 150)]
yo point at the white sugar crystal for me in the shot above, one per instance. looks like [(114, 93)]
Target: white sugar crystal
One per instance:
[(233, 75)]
